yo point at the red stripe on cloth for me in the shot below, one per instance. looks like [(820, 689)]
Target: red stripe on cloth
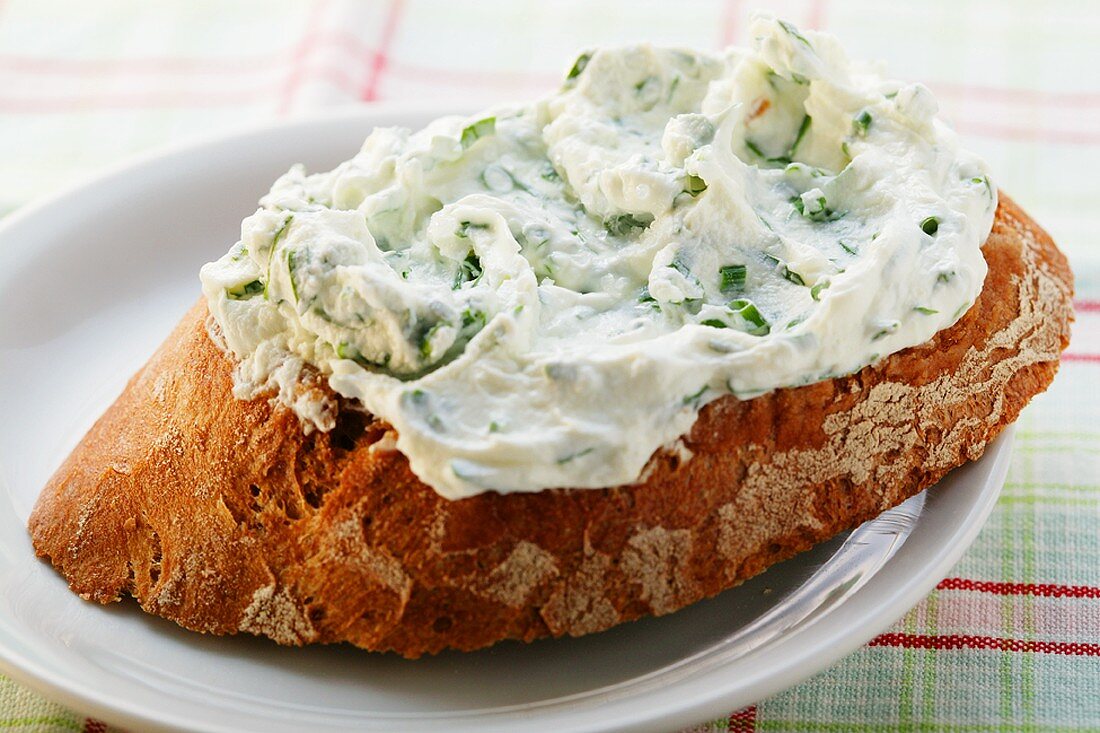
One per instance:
[(94, 726), (1087, 358), (742, 721), (815, 20), (1045, 590), (92, 102), (1032, 97), (1028, 134), (731, 11), (302, 51), (1087, 306), (43, 65), (965, 641), (381, 55)]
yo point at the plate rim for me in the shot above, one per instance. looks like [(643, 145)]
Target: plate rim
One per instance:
[(704, 701)]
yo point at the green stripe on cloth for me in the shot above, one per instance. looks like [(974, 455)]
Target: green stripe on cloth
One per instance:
[(994, 650)]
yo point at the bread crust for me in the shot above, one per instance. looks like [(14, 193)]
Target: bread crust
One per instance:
[(223, 516)]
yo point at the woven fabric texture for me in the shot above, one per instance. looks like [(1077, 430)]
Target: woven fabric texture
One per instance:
[(1011, 640)]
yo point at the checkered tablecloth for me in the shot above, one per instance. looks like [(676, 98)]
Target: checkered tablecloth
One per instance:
[(1011, 640)]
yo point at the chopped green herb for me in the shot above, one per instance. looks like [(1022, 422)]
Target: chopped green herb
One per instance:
[(242, 292), (578, 66), (945, 277), (645, 297), (748, 312), (497, 179), (792, 323), (793, 276), (494, 427), (802, 130), (815, 291), (889, 329), (695, 397), (482, 128), (573, 456), (626, 224), (755, 149), (279, 234), (926, 311), (787, 273), (930, 225), (818, 211), (733, 277), (714, 323), (694, 185), (847, 247), (794, 33), (465, 227), (861, 123), (844, 148), (472, 317), (426, 341), (549, 174), (962, 309), (468, 270), (291, 267)]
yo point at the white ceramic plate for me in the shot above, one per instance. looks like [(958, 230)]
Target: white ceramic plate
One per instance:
[(93, 279)]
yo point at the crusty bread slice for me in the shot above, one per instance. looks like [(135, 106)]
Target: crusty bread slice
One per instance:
[(223, 516)]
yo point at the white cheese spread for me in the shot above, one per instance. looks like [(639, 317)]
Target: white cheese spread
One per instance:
[(544, 294)]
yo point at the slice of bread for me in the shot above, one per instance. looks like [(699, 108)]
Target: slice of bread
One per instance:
[(222, 515)]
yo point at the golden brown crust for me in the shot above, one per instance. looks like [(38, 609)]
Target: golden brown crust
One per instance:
[(223, 516)]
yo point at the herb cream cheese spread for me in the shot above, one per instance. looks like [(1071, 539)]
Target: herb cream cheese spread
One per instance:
[(544, 294)]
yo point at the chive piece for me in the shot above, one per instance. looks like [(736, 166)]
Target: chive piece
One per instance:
[(471, 318), (472, 133), (846, 150), (243, 292), (291, 266), (645, 297), (464, 228), (786, 272), (751, 315), (494, 427), (578, 66), (930, 225), (468, 270), (890, 328), (625, 224), (944, 277), (755, 149), (694, 185), (794, 32), (572, 456), (820, 211), (794, 322), (694, 397), (802, 130), (815, 291), (926, 311), (847, 247), (714, 323), (279, 234), (792, 276), (733, 277), (861, 123), (426, 341)]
